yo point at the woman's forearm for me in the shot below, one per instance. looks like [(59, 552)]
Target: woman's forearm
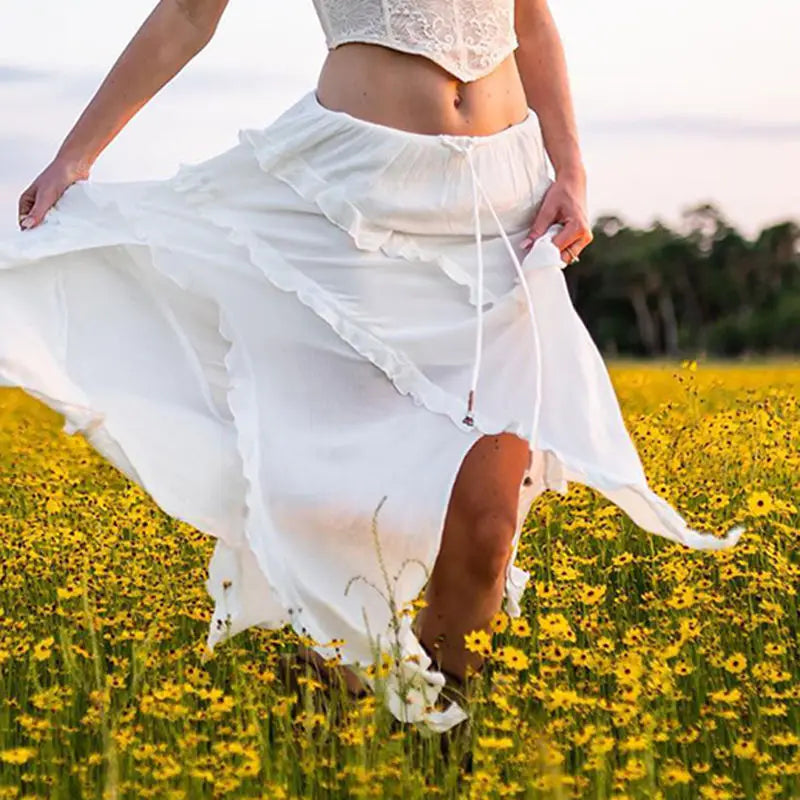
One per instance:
[(171, 36), (542, 67)]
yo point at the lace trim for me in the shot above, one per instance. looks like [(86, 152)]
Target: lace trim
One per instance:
[(468, 38), (465, 74)]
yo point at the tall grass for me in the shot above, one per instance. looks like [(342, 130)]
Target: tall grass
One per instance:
[(639, 669)]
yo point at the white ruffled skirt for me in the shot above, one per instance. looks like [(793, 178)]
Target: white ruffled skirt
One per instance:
[(310, 328)]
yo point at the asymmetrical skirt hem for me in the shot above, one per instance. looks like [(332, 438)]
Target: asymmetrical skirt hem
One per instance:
[(276, 344)]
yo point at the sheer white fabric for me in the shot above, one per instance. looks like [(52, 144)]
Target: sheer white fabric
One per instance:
[(468, 38), (277, 340)]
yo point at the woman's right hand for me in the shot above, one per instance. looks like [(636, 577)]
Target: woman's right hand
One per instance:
[(42, 194)]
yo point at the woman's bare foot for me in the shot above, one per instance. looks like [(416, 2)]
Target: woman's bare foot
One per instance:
[(354, 684)]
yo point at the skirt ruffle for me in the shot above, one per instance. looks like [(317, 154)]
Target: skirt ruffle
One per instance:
[(276, 343)]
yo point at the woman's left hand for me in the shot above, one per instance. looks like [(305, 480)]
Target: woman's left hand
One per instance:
[(564, 203)]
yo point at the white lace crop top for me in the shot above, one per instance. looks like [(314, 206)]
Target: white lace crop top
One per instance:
[(468, 38)]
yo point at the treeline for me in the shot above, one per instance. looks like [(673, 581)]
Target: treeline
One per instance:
[(704, 290)]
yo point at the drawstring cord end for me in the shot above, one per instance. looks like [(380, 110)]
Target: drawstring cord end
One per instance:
[(477, 192), (469, 419)]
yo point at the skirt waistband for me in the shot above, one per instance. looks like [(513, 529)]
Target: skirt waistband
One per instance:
[(378, 182), (412, 183)]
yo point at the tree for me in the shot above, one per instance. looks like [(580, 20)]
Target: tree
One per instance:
[(702, 288)]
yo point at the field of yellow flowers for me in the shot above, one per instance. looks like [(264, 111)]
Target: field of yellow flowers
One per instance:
[(639, 669)]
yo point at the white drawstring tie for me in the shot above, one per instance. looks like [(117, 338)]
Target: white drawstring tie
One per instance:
[(477, 191)]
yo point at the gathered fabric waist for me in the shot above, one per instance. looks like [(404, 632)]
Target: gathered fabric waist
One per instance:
[(382, 183), (413, 183)]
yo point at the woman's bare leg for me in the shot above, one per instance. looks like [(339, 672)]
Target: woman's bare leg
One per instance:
[(467, 584), (468, 579)]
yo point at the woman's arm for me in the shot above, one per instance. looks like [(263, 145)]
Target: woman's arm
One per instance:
[(542, 67), (170, 37)]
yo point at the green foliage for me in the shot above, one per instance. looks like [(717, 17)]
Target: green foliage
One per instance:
[(702, 290)]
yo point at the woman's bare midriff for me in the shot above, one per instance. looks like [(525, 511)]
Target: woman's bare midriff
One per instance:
[(413, 93)]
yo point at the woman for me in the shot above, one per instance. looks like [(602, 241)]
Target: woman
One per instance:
[(343, 347)]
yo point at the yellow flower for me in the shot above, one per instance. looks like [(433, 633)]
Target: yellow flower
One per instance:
[(629, 667), (633, 743), (520, 627), (499, 622), (351, 736), (495, 742), (478, 642), (53, 505), (17, 755), (605, 645), (682, 597), (43, 649), (675, 774), (513, 658), (735, 663), (582, 658), (718, 500), (759, 503), (482, 783), (745, 750), (591, 595), (622, 559), (786, 739), (555, 626), (582, 737), (732, 697), (714, 793), (221, 706)]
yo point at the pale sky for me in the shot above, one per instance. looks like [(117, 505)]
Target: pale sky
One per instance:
[(678, 102)]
